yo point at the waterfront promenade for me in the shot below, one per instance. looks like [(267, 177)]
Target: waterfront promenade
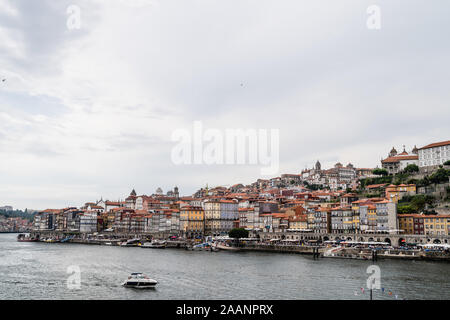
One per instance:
[(316, 245)]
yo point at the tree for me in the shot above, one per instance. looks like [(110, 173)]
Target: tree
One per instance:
[(414, 203), (238, 233), (406, 208), (380, 172), (447, 163), (410, 168), (440, 176)]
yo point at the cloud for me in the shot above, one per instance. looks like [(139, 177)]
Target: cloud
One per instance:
[(92, 110)]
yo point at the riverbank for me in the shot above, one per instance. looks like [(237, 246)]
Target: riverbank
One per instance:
[(316, 251)]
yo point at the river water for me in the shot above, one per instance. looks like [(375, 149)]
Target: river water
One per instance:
[(36, 270)]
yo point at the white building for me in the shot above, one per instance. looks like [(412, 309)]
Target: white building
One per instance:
[(88, 222), (396, 163), (433, 155)]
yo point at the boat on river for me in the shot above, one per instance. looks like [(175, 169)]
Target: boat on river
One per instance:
[(49, 240), (67, 239), (155, 244), (26, 238), (139, 280), (223, 246), (131, 243), (206, 246)]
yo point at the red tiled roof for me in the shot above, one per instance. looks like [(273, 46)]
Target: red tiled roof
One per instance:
[(400, 158), (376, 185), (436, 144)]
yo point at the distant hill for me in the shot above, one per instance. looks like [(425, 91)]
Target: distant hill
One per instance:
[(27, 214)]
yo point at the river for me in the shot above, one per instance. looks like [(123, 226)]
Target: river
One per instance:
[(33, 270)]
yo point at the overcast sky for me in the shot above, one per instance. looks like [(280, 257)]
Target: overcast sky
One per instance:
[(88, 113)]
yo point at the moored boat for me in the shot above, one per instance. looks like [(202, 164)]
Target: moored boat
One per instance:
[(222, 246), (131, 243), (155, 244), (24, 238)]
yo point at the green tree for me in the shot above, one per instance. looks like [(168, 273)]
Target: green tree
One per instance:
[(440, 176), (411, 168), (447, 163), (405, 208), (380, 172)]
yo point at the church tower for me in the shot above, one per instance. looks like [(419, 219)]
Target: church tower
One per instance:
[(393, 152), (318, 166)]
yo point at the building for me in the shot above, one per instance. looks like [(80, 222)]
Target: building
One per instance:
[(267, 222), (348, 225), (348, 198), (437, 225), (175, 222), (411, 224), (298, 223), (433, 155), (395, 193), (386, 212), (395, 163), (322, 220), (88, 222), (192, 221), (228, 214), (337, 222), (375, 215), (212, 217), (130, 201)]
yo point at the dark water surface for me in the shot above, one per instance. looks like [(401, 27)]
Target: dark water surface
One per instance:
[(40, 271)]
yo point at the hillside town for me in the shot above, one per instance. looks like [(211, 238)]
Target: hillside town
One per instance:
[(333, 201), (14, 224), (13, 221)]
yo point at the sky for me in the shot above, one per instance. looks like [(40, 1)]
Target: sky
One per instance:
[(89, 112)]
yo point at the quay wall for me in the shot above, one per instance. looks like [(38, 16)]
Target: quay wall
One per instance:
[(316, 251), (284, 249)]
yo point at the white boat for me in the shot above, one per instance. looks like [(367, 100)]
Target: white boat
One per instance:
[(130, 243), (154, 245), (139, 280), (206, 246), (223, 246)]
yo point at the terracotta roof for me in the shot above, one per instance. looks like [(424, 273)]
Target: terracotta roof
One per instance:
[(111, 203), (411, 215), (437, 144), (348, 195), (400, 158), (376, 185)]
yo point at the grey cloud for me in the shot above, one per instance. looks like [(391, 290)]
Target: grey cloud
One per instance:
[(336, 90), (43, 30)]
